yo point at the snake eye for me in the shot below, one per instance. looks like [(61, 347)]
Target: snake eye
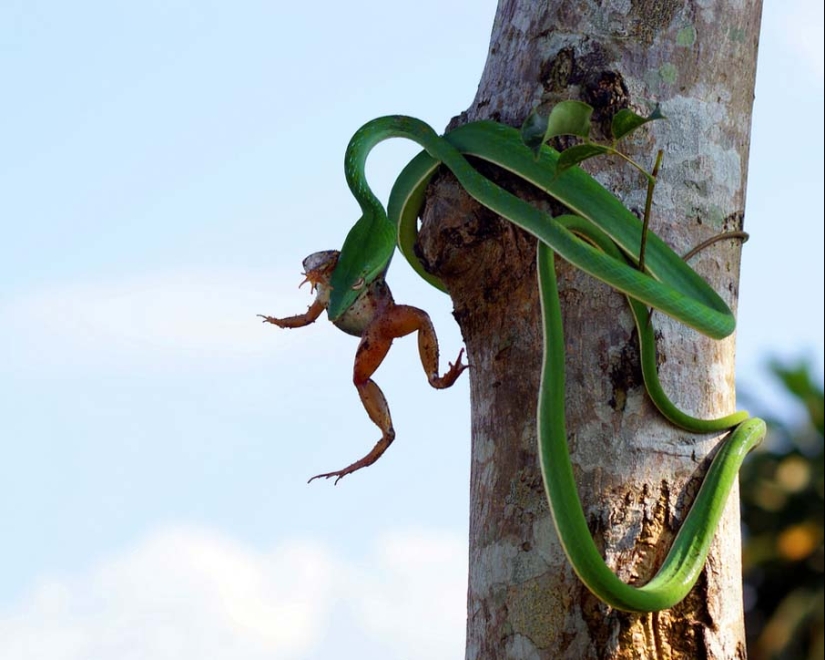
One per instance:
[(359, 284)]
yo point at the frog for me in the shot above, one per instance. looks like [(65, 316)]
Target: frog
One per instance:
[(377, 320)]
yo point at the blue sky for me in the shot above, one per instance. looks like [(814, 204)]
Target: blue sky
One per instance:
[(164, 168)]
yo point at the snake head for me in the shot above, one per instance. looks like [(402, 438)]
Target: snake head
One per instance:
[(364, 257)]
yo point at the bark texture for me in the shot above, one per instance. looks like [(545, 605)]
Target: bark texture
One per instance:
[(637, 474)]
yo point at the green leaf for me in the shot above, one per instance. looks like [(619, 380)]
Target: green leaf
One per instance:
[(533, 130), (581, 152), (626, 121), (569, 118), (800, 382)]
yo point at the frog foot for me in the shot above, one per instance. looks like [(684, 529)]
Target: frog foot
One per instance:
[(376, 453), (452, 374)]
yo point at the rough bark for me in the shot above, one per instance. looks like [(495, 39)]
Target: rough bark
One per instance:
[(637, 474)]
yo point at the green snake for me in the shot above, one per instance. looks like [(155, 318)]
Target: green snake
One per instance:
[(602, 238)]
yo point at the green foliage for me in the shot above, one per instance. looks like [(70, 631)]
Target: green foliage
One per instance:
[(782, 510), (579, 153), (533, 132), (626, 121), (574, 118), (569, 118), (566, 118)]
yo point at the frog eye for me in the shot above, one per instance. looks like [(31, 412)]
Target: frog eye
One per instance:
[(359, 284)]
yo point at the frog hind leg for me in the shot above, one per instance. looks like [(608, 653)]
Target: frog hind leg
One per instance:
[(393, 322), (375, 343), (428, 352)]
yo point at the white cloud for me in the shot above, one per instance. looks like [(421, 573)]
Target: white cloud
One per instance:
[(185, 593), (180, 593), (159, 318), (415, 600)]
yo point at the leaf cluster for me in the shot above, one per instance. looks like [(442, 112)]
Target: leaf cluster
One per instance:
[(783, 506), (574, 118)]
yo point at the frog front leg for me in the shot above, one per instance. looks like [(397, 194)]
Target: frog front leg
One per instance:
[(392, 322), (299, 320)]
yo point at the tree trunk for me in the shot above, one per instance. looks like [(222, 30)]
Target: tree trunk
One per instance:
[(637, 473)]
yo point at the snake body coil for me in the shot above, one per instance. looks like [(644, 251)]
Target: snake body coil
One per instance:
[(602, 238)]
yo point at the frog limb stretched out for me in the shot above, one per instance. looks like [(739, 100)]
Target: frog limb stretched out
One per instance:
[(377, 320)]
